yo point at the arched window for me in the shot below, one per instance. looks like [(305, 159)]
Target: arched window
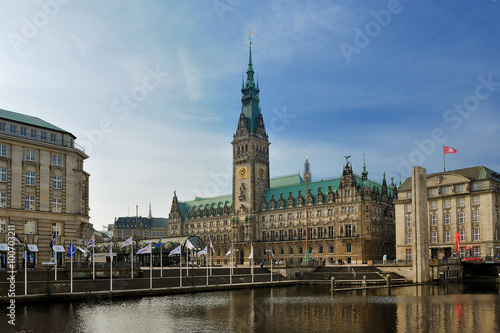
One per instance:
[(348, 247)]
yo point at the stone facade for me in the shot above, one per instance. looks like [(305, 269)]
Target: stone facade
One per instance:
[(43, 187), (464, 201), (348, 218)]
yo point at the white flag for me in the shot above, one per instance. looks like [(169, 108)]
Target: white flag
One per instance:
[(211, 246), (204, 251), (228, 252), (177, 250), (110, 252), (127, 242), (145, 250), (189, 245), (251, 252)]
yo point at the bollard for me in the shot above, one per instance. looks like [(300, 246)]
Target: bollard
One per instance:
[(364, 281), (498, 278), (388, 280), (332, 284)]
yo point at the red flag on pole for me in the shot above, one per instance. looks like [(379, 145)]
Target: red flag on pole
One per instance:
[(449, 150), (457, 242)]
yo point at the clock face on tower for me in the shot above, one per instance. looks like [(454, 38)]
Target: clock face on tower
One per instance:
[(261, 173), (242, 172)]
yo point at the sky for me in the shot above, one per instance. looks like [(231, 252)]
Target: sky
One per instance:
[(151, 89)]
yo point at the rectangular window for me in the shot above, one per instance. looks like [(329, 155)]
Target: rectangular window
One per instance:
[(57, 182), (320, 213), (43, 136), (409, 255), (30, 155), (33, 133), (447, 203), (57, 160), (433, 205), (408, 221), (30, 178), (320, 232), (446, 190), (475, 186), (320, 249), (475, 234), (434, 219), (408, 195), (476, 251), (3, 175), (301, 233), (53, 137), (3, 226), (3, 200), (24, 131), (2, 127), (461, 217), (57, 205), (13, 129), (29, 202), (447, 236), (408, 238), (30, 227), (461, 235), (447, 219), (460, 202), (290, 250), (330, 212), (475, 216), (301, 250), (330, 232), (299, 215), (331, 248), (408, 208), (309, 214), (462, 252), (280, 217), (432, 191), (3, 150), (475, 200), (460, 188), (282, 250), (56, 227), (434, 237), (290, 216)]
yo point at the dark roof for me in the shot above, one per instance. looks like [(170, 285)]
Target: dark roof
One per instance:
[(29, 120), (473, 173), (121, 222)]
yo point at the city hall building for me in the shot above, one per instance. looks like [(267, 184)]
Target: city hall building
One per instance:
[(43, 186), (349, 218)]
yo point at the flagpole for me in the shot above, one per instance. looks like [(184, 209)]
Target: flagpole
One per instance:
[(55, 259), (25, 268), (111, 267), (93, 260), (272, 264), (151, 265), (231, 266), (444, 161), (161, 259), (187, 260), (251, 268), (211, 258), (71, 253), (180, 269), (207, 267), (132, 260)]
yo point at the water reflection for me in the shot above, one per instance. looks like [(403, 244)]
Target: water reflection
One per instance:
[(287, 309)]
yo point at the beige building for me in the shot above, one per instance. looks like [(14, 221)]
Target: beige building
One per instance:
[(462, 204), (43, 186), (348, 218)]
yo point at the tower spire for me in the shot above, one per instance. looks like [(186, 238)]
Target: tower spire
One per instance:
[(250, 72), (364, 174)]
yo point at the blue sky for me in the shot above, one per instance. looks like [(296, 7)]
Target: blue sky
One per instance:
[(152, 89)]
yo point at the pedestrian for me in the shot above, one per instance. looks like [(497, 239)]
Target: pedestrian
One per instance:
[(261, 265)]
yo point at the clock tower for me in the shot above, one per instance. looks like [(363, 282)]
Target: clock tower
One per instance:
[(250, 160)]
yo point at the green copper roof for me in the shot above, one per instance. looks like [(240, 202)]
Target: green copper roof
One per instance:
[(313, 186), (29, 120), (205, 202), (286, 180), (472, 173)]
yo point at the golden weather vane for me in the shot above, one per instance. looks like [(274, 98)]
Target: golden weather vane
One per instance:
[(250, 37)]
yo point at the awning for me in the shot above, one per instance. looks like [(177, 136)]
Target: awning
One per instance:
[(4, 247), (59, 248), (79, 248), (33, 247)]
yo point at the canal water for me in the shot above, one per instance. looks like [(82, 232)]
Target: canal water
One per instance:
[(448, 308)]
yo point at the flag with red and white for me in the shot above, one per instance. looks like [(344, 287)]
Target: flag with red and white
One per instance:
[(449, 150), (457, 242), (271, 257)]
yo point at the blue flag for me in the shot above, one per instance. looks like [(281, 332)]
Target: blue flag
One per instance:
[(71, 250), (159, 244)]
